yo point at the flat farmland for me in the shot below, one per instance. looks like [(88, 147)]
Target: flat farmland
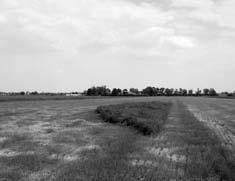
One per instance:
[(67, 140)]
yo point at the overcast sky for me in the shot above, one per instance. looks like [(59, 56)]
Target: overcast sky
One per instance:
[(68, 45)]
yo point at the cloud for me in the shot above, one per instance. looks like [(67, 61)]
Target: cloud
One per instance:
[(112, 34), (182, 41), (86, 26), (192, 4), (3, 19), (15, 40)]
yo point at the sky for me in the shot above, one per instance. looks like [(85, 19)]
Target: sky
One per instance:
[(71, 45)]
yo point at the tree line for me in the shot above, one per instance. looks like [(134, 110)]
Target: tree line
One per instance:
[(148, 91)]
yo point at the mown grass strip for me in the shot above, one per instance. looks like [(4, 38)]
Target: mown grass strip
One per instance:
[(206, 158), (147, 118)]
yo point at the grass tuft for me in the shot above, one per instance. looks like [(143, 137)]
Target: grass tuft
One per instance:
[(147, 118)]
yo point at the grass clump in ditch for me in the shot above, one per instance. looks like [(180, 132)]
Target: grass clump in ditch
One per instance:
[(147, 118)]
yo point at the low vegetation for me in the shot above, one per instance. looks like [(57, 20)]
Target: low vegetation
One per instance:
[(68, 140), (147, 118), (205, 156), (185, 149)]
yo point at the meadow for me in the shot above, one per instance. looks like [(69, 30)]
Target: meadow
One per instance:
[(69, 140)]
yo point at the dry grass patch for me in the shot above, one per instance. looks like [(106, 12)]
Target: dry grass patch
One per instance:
[(106, 162)]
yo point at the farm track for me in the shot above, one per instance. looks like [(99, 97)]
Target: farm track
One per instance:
[(194, 143), (220, 118)]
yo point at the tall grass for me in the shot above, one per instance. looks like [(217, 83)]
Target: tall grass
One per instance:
[(147, 118)]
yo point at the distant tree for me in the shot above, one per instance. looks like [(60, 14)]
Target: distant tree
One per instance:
[(22, 93), (134, 90), (125, 92), (176, 92), (190, 92), (161, 91), (116, 92), (74, 92), (212, 92), (206, 92), (88, 92), (184, 92), (198, 92), (149, 91), (107, 92), (34, 93), (157, 91), (91, 91), (168, 92), (102, 91), (98, 91)]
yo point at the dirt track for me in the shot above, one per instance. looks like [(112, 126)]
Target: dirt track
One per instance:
[(218, 114)]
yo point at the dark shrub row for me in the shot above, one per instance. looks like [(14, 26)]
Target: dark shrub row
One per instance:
[(148, 91), (147, 118)]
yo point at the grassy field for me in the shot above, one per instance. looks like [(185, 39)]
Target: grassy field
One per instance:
[(67, 140), (186, 148)]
